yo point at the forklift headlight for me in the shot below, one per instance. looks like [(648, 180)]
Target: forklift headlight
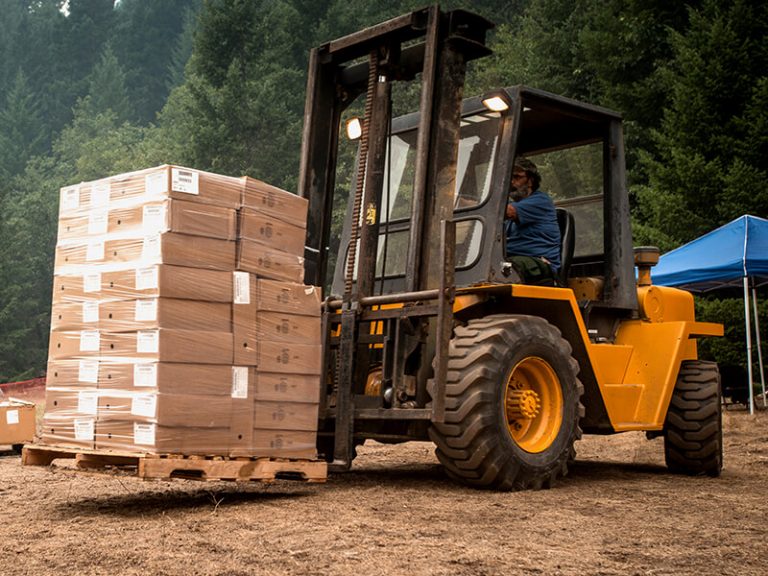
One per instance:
[(496, 102), (354, 128)]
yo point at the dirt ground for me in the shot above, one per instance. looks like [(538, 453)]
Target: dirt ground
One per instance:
[(618, 513)]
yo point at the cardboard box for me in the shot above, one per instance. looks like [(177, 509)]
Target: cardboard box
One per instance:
[(271, 231), (148, 218), (268, 415), (244, 319), (171, 378), (287, 327), (78, 199), (252, 348), (193, 410), (274, 201), (75, 315), (17, 422), (142, 314), (180, 183), (166, 248), (68, 432), (71, 403), (131, 281), (176, 314), (286, 387), (150, 438), (289, 358), (253, 327), (279, 296), (190, 346), (184, 410), (134, 375), (269, 262), (82, 373), (297, 444), (159, 182)]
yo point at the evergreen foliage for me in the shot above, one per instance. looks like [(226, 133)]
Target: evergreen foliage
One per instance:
[(22, 132), (106, 87), (708, 168)]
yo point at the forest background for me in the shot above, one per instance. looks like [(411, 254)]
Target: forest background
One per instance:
[(90, 88)]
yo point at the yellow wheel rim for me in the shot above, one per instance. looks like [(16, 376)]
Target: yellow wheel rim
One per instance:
[(534, 404)]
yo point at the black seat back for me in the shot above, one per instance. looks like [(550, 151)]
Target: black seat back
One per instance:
[(567, 243)]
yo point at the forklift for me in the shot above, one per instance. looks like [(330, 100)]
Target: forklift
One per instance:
[(429, 333)]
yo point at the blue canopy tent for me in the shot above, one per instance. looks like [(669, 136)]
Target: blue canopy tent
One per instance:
[(736, 253)]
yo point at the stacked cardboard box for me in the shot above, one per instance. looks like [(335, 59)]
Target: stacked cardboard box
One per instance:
[(179, 324)]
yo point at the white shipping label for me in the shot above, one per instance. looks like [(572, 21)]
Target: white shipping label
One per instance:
[(92, 282), (70, 198), (144, 405), (90, 341), (87, 402), (145, 375), (184, 181), (147, 278), (153, 219), (239, 382), (88, 371), (84, 429), (147, 341), (146, 310), (100, 194), (95, 251), (12, 417), (242, 288), (97, 221), (156, 183), (151, 248), (144, 434), (90, 312)]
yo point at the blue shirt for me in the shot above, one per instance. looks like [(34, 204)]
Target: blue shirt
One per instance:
[(535, 233)]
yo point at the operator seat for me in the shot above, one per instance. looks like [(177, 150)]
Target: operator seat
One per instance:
[(567, 243)]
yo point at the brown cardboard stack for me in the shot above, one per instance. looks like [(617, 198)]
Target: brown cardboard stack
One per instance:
[(178, 321), (17, 421)]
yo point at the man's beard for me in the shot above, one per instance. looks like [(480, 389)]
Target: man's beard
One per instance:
[(518, 194)]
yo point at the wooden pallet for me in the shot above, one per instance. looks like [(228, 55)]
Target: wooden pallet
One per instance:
[(168, 466)]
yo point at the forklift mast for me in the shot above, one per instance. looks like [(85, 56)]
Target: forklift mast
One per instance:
[(429, 43), (432, 48)]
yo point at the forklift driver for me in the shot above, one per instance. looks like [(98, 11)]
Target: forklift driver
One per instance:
[(533, 236)]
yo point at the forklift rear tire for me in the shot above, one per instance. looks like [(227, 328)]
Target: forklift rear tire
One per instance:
[(513, 404), (693, 431)]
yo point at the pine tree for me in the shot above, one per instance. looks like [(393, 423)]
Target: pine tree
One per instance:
[(27, 239), (146, 34), (106, 88), (182, 49), (709, 169), (22, 133), (11, 25)]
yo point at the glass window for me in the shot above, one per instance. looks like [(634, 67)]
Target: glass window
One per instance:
[(469, 237), (574, 179), (477, 151)]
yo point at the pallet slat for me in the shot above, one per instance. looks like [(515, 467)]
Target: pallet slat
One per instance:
[(166, 467)]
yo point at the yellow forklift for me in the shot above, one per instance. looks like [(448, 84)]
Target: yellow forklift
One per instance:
[(429, 332)]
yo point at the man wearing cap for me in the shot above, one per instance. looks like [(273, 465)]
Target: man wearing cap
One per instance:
[(533, 236)]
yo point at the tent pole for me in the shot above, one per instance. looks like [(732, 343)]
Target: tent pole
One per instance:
[(757, 336), (749, 345)]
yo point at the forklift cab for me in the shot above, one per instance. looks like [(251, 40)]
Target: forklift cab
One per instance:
[(578, 150)]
